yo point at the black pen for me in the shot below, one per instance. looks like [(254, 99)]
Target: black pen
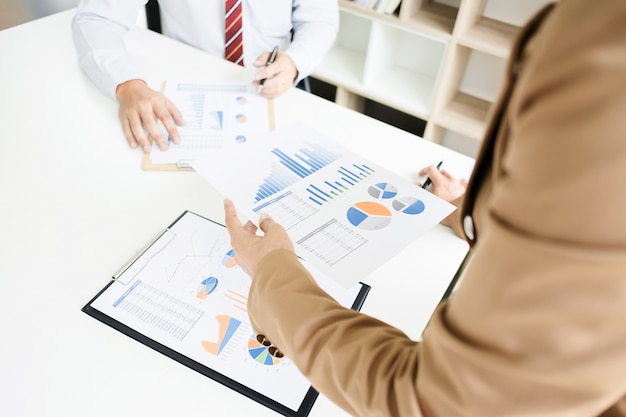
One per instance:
[(270, 61), (428, 181)]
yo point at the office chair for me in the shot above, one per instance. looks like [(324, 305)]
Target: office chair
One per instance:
[(153, 16)]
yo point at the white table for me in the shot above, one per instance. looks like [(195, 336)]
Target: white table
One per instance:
[(75, 205)]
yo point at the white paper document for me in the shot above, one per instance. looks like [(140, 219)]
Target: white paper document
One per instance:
[(186, 297), (345, 214), (217, 116)]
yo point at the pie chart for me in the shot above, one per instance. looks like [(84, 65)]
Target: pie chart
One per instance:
[(206, 287), (368, 215), (229, 260), (382, 190), (409, 205), (262, 353)]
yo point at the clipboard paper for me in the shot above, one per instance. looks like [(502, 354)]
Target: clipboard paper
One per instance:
[(185, 297), (218, 116)]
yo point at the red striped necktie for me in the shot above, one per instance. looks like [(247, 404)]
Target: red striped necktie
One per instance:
[(234, 32)]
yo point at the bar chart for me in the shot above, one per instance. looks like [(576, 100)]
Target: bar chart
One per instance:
[(344, 179), (292, 167)]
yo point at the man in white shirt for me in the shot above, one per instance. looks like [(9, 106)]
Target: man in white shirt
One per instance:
[(303, 30)]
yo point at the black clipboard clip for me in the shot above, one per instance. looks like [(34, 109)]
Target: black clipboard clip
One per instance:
[(154, 246)]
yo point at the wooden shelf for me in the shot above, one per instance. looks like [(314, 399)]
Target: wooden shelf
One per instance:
[(422, 60), (432, 14), (465, 115), (490, 36)]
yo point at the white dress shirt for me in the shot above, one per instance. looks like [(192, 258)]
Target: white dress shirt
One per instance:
[(99, 26)]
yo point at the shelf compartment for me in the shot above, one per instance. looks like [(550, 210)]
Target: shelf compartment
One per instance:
[(466, 115), (429, 16), (404, 90), (342, 66), (402, 68), (460, 143), (483, 75), (345, 61)]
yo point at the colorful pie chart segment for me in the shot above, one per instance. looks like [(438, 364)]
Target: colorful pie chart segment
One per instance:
[(368, 215), (227, 328), (382, 190), (229, 259), (261, 353), (206, 287), (408, 205)]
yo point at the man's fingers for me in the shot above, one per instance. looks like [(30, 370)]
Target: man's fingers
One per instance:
[(153, 130), (139, 133), (171, 118), (275, 86), (170, 125), (128, 132), (262, 59)]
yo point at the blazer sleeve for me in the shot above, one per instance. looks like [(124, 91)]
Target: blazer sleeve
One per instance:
[(362, 364), (537, 325)]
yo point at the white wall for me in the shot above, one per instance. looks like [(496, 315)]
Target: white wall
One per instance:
[(16, 12)]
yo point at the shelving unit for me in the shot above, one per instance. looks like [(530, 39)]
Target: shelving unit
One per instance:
[(438, 61)]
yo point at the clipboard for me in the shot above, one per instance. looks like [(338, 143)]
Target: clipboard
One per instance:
[(183, 165), (184, 296)]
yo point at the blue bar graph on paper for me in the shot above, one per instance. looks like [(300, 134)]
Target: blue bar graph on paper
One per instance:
[(303, 162), (275, 182), (348, 177), (293, 166), (307, 160)]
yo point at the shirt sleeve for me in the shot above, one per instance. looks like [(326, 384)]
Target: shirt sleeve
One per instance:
[(98, 30), (315, 27)]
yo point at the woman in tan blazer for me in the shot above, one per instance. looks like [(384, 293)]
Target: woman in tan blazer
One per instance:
[(538, 326)]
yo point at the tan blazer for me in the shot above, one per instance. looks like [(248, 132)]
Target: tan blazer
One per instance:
[(538, 325)]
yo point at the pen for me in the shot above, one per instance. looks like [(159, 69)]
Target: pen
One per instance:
[(428, 181), (270, 61)]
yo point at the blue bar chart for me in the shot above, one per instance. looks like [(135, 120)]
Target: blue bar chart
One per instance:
[(292, 167), (345, 178)]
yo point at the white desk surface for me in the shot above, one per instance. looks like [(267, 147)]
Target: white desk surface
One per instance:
[(75, 205)]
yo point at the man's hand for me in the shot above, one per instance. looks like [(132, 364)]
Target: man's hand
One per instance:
[(279, 76), (140, 109), (249, 248)]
